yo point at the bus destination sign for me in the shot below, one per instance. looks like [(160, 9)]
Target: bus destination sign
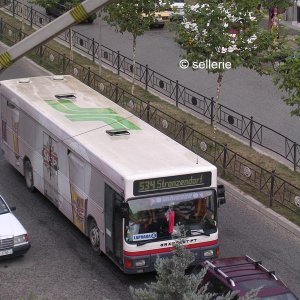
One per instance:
[(171, 183)]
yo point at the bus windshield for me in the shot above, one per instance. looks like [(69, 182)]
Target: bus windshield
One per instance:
[(163, 217)]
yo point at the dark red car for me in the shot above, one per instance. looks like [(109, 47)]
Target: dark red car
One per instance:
[(242, 274)]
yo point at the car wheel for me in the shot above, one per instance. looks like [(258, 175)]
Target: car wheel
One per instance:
[(94, 236), (28, 174)]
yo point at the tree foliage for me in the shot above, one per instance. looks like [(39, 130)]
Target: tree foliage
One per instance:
[(133, 16), (209, 35), (288, 79)]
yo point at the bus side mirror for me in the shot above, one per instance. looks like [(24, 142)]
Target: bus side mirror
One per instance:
[(221, 194), (124, 210)]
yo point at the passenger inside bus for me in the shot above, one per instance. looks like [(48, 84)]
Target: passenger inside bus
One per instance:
[(184, 211), (201, 208)]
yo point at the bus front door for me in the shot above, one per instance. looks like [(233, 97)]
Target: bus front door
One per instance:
[(113, 225), (50, 168)]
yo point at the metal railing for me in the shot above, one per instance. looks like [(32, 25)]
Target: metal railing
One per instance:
[(241, 125), (228, 161)]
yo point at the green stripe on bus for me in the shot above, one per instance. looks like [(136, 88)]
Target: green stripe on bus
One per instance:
[(79, 13), (78, 114)]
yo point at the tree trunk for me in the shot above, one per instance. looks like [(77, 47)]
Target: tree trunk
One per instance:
[(133, 62), (217, 108)]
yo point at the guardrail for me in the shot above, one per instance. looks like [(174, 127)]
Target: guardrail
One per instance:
[(228, 161), (243, 126)]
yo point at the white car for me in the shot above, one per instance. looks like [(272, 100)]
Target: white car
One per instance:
[(13, 236)]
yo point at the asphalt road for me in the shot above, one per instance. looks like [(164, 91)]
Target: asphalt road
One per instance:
[(61, 264)]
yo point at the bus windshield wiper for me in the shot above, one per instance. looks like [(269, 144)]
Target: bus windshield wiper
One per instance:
[(141, 243), (199, 232)]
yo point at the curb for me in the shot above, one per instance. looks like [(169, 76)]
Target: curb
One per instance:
[(260, 208)]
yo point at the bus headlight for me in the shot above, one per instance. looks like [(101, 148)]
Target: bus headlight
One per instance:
[(208, 253), (140, 263)]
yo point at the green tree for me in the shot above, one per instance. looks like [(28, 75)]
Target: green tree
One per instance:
[(174, 283), (229, 32), (288, 80), (133, 16)]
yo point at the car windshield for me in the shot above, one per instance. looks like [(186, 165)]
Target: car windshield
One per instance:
[(3, 207), (285, 296), (256, 283), (161, 217)]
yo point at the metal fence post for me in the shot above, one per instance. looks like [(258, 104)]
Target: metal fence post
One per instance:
[(146, 81), (295, 156), (13, 8), (64, 64), (183, 132), (118, 62), (31, 16), (271, 195), (93, 49), (224, 159), (89, 76), (117, 93), (20, 34), (212, 111), (176, 93), (251, 131), (41, 53), (1, 28), (148, 111)]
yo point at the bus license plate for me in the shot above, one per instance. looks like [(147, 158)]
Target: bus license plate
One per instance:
[(6, 252)]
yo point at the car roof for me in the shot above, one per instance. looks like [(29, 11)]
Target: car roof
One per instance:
[(244, 274)]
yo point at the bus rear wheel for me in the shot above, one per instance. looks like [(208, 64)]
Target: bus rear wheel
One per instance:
[(94, 236), (28, 173)]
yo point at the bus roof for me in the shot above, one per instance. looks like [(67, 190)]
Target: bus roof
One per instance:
[(82, 121)]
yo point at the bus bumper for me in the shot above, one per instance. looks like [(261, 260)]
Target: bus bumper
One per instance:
[(146, 263)]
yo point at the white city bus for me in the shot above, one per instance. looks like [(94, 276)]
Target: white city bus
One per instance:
[(124, 184)]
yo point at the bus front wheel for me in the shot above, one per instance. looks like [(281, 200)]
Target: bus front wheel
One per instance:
[(94, 236), (28, 173)]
